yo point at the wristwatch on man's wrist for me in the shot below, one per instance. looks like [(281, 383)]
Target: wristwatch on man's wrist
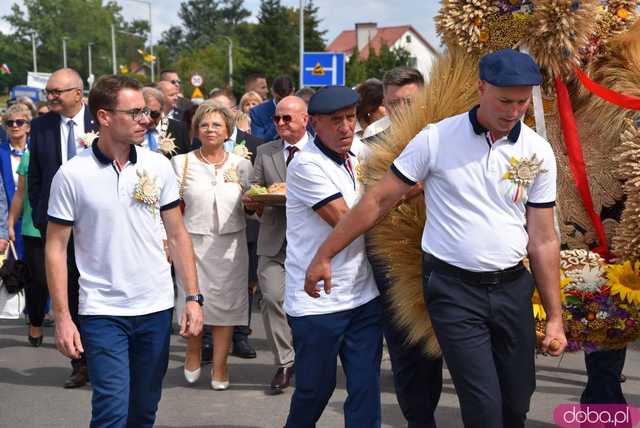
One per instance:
[(199, 298)]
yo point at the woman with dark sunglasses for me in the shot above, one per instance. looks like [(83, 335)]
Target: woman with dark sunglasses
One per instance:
[(14, 165)]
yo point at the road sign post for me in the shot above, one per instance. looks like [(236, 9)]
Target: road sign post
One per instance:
[(323, 69)]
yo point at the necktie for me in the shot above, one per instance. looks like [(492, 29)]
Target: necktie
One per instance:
[(71, 140), (292, 151), (152, 140)]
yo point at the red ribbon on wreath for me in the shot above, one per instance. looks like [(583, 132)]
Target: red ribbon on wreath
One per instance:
[(621, 100), (577, 165)]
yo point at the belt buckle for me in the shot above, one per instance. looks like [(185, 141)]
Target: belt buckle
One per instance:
[(490, 278)]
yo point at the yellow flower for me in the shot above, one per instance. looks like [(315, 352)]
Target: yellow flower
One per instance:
[(622, 13), (624, 280), (538, 310)]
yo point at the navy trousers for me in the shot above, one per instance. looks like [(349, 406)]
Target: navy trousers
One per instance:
[(356, 337), (127, 359), (603, 370), (417, 379), (487, 336)]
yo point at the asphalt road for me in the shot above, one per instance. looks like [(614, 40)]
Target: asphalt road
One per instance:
[(31, 394)]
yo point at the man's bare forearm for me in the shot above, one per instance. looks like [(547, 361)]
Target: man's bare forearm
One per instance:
[(181, 251), (373, 206), (545, 265)]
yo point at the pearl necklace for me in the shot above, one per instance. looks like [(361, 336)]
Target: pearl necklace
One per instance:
[(204, 159)]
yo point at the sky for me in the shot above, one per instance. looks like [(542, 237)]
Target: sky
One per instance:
[(336, 15)]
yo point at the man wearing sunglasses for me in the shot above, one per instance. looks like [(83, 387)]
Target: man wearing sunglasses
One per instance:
[(182, 104), (57, 137), (270, 167), (160, 126)]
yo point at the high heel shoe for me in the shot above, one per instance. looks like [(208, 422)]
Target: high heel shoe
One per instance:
[(192, 376), (217, 385), (35, 341)]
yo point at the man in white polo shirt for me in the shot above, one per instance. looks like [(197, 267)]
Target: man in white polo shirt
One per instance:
[(110, 197), (321, 187), (490, 187)]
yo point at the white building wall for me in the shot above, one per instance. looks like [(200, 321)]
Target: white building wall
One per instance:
[(424, 56)]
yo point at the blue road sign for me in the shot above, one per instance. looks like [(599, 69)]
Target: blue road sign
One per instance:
[(323, 69)]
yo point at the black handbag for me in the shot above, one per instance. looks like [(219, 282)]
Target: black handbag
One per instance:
[(14, 273)]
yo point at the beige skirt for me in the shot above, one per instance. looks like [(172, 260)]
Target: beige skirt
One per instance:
[(222, 262)]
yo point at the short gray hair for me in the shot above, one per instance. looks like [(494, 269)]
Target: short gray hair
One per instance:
[(208, 107), (149, 92)]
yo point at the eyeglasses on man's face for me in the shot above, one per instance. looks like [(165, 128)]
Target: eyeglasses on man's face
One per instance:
[(18, 123), (55, 93), (155, 114), (176, 82), (136, 114)]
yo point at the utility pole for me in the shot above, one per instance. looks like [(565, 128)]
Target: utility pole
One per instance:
[(229, 57), (91, 77), (64, 51), (33, 50), (302, 43), (113, 48)]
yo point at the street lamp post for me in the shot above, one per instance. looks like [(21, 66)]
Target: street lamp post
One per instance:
[(90, 79), (64, 51), (301, 43), (113, 48), (33, 51), (229, 58), (148, 3)]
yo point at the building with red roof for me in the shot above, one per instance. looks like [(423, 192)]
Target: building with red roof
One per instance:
[(367, 36)]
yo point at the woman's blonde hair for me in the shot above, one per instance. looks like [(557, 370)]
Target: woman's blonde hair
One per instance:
[(248, 97), (209, 107), (17, 108)]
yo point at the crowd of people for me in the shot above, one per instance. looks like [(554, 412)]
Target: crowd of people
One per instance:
[(136, 200)]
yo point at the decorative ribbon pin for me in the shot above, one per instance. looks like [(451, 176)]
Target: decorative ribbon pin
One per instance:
[(521, 173)]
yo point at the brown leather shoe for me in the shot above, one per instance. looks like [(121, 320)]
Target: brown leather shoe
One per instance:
[(282, 379), (79, 377)]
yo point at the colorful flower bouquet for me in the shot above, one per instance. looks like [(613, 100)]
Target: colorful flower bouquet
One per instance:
[(601, 302)]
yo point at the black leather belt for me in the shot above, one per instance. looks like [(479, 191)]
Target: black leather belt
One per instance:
[(482, 278)]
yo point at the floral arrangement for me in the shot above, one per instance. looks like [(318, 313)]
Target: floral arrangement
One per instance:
[(241, 150), (147, 190), (601, 302), (231, 175), (89, 138)]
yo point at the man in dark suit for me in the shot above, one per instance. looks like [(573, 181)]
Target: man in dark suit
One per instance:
[(55, 138), (262, 126), (160, 127)]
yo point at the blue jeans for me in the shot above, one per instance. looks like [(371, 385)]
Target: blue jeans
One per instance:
[(127, 359), (356, 336)]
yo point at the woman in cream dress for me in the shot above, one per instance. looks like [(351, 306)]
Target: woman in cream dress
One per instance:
[(212, 182)]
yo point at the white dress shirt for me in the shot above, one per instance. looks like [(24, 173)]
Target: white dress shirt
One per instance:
[(78, 132), (300, 144)]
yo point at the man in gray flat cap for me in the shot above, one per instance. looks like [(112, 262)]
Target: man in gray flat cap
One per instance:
[(321, 188), (486, 175)]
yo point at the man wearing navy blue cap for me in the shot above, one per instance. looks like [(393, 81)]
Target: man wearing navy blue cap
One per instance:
[(321, 188), (486, 175)]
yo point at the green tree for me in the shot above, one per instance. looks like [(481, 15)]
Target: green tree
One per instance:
[(81, 22), (376, 64)]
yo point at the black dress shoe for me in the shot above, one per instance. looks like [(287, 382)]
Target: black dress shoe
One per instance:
[(35, 341), (79, 377), (281, 380), (242, 349)]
